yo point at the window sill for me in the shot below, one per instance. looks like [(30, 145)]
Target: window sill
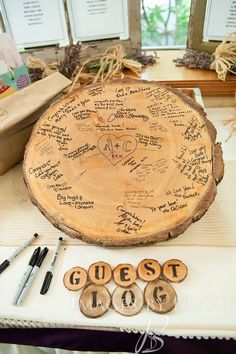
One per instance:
[(166, 72)]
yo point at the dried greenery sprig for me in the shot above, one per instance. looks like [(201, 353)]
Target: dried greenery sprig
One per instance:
[(99, 68), (223, 60)]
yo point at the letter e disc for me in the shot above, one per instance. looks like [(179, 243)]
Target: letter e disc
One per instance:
[(127, 301), (124, 275), (94, 301), (159, 296), (75, 278)]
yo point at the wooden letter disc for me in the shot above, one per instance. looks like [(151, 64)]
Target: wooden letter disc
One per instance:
[(75, 278), (94, 301), (123, 163), (149, 269), (160, 296), (124, 274), (100, 273), (174, 270), (128, 301)]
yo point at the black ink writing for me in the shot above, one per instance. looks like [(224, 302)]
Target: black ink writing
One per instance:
[(80, 151), (127, 113), (128, 222), (57, 133), (75, 201), (47, 170)]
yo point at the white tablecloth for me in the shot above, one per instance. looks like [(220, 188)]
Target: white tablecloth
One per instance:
[(206, 299)]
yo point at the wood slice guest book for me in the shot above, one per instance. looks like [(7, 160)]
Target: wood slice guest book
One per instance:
[(123, 163)]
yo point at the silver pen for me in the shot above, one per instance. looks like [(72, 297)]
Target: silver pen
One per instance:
[(26, 275), (49, 274), (7, 261), (33, 274)]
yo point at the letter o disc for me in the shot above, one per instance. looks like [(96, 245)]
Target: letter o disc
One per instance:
[(127, 301)]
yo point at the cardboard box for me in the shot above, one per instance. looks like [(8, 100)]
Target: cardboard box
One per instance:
[(20, 111)]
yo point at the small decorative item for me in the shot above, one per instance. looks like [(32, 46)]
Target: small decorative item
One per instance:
[(149, 269), (160, 296), (128, 301), (22, 81), (174, 270), (14, 80), (75, 278), (223, 60), (124, 274), (100, 273), (94, 300), (6, 90), (127, 298), (13, 73), (113, 63)]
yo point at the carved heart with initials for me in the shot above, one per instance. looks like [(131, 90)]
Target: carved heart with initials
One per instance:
[(116, 148)]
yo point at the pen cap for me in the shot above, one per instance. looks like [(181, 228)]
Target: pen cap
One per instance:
[(46, 283), (34, 257), (41, 257), (4, 265)]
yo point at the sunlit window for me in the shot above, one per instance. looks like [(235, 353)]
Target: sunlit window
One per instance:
[(164, 23)]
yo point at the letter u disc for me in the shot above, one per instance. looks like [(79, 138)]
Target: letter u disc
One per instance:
[(100, 273)]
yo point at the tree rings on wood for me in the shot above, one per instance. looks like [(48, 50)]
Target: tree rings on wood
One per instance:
[(100, 273), (75, 278), (160, 296), (149, 269), (123, 163), (174, 270), (94, 300), (128, 301), (124, 274)]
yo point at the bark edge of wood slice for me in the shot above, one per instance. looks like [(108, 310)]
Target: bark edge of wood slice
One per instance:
[(153, 148)]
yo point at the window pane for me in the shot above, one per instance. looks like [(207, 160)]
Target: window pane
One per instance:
[(164, 22)]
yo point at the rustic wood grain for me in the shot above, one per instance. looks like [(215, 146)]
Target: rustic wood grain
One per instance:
[(100, 273), (161, 178), (124, 274), (166, 72), (160, 296), (149, 269), (174, 270), (94, 301), (128, 301), (75, 278)]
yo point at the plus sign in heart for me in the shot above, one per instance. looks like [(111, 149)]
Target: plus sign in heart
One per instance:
[(116, 148)]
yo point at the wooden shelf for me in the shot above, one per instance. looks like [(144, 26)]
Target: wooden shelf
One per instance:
[(167, 72)]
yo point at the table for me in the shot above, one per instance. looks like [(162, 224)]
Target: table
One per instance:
[(75, 339), (213, 235)]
